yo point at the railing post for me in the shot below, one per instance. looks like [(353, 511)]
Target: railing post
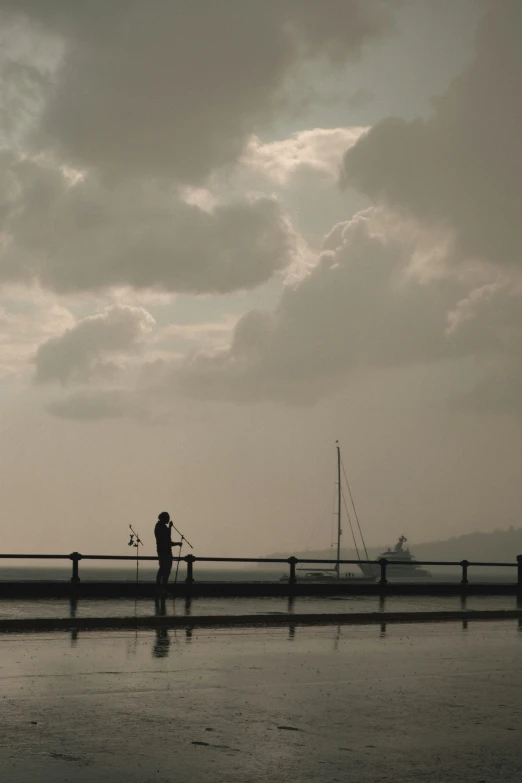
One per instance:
[(383, 563), (519, 573), (464, 564), (75, 557), (292, 578), (190, 560)]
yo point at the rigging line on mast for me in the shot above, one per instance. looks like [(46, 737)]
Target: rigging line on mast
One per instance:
[(351, 526), (333, 514), (354, 509)]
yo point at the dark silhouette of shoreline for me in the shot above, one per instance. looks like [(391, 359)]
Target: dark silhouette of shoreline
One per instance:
[(498, 546)]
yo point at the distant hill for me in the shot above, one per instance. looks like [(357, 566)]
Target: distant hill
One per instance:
[(499, 546)]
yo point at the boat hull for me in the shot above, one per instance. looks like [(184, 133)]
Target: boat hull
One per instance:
[(331, 578), (402, 570)]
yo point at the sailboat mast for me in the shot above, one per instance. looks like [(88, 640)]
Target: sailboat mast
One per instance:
[(337, 567)]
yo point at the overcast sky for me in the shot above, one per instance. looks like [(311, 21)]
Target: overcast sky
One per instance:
[(232, 232)]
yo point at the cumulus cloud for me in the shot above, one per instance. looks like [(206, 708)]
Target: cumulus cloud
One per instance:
[(71, 233), (301, 171), (140, 199), (458, 172), (119, 107), (359, 308), (460, 168), (354, 309), (92, 347), (175, 88)]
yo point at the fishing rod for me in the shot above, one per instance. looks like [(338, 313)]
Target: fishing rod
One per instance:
[(135, 541)]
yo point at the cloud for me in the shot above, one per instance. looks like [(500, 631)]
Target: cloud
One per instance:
[(359, 309), (96, 404), (204, 334), (173, 89), (71, 233), (318, 151), (301, 171), (134, 190), (459, 169), (354, 310), (26, 320), (91, 348)]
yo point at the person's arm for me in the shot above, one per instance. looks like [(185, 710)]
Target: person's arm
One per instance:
[(173, 543)]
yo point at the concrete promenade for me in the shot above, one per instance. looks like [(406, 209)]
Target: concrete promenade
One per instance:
[(413, 703), (133, 589), (17, 624)]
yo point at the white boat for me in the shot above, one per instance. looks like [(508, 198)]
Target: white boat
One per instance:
[(407, 565)]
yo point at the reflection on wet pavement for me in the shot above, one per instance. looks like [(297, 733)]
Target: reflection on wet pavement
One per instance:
[(124, 607), (357, 704)]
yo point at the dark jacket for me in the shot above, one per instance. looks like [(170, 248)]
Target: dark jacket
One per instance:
[(163, 543)]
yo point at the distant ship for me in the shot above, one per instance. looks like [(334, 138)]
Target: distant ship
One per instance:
[(407, 565)]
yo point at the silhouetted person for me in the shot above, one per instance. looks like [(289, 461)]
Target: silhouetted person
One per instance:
[(164, 547)]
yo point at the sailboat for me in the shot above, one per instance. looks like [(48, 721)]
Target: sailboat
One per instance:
[(334, 574)]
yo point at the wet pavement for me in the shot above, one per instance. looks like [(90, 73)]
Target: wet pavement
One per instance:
[(143, 607), (404, 704)]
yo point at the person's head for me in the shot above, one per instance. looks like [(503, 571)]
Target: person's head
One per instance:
[(164, 517)]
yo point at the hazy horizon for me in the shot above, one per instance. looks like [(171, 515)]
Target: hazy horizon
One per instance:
[(233, 233)]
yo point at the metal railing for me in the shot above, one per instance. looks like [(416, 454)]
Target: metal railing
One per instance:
[(381, 565)]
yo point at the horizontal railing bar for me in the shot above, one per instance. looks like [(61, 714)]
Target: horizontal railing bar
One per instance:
[(393, 562), (244, 560), (496, 565), (37, 557), (121, 557), (198, 559), (260, 560)]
